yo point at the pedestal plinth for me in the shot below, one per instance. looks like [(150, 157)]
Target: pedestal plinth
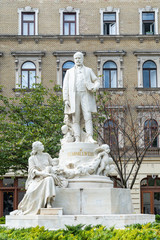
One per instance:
[(74, 154)]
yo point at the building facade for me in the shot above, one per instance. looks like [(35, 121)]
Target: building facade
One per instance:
[(120, 40)]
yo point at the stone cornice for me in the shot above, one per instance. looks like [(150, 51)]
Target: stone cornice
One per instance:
[(147, 107), (29, 53), (81, 37), (110, 53), (66, 53), (146, 53)]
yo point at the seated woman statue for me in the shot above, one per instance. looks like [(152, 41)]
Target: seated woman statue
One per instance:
[(41, 182)]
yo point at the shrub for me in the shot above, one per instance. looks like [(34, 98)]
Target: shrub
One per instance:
[(150, 231)]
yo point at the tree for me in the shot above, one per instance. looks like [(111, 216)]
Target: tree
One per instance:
[(35, 115), (121, 127)]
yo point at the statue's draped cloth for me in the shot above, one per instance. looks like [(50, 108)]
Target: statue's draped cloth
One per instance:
[(38, 188)]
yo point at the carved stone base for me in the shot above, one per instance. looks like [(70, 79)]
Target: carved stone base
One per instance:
[(93, 201), (77, 154), (93, 181), (59, 222), (51, 211)]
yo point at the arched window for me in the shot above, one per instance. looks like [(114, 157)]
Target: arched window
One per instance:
[(150, 131), (150, 195), (109, 75), (28, 75), (111, 133), (149, 74), (67, 65)]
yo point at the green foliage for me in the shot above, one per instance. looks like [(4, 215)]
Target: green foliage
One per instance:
[(80, 232), (35, 115), (2, 220), (157, 218)]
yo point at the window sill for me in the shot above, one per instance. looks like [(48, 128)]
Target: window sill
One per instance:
[(113, 90), (153, 151), (18, 91), (142, 91)]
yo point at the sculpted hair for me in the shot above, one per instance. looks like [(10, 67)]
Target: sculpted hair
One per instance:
[(78, 53), (35, 147)]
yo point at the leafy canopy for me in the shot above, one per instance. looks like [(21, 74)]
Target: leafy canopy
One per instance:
[(34, 115)]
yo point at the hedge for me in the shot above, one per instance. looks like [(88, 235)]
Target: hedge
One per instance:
[(150, 231)]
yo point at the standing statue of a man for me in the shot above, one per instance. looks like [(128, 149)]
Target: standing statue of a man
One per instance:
[(79, 86)]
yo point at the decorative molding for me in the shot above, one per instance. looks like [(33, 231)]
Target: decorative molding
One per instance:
[(109, 53), (66, 53), (142, 57), (33, 53), (21, 57), (27, 9), (109, 9), (148, 91), (147, 107), (148, 9), (69, 9), (146, 53), (115, 56)]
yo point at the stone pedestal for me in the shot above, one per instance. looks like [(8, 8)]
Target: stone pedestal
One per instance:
[(89, 199), (94, 201), (51, 211), (59, 222), (74, 154)]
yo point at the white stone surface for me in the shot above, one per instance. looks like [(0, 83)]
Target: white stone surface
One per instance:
[(94, 201), (75, 154), (51, 211), (79, 86), (41, 182), (58, 222), (93, 181)]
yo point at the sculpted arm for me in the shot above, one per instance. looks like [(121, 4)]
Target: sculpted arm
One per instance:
[(34, 171), (66, 89), (95, 80)]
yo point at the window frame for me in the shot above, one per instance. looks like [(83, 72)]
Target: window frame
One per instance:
[(151, 190), (15, 189), (109, 10), (69, 22), (27, 10), (143, 57), (109, 139), (148, 9), (148, 130), (149, 22), (21, 58), (28, 23), (109, 22), (28, 73), (109, 70), (69, 10), (149, 70), (117, 58)]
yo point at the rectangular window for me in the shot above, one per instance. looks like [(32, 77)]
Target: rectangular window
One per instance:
[(28, 24), (69, 24), (109, 23), (148, 23)]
